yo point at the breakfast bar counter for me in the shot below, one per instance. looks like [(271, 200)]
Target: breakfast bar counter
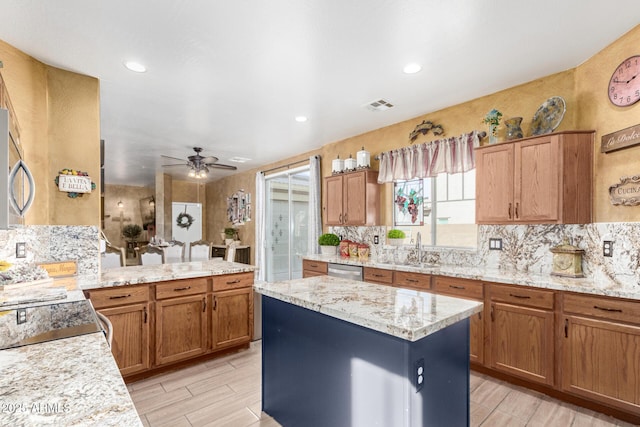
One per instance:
[(342, 352)]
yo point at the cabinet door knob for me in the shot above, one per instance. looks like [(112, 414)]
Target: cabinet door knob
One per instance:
[(509, 210), (340, 218), (611, 310), (516, 212), (120, 296), (204, 304), (182, 289), (520, 296), (144, 310)]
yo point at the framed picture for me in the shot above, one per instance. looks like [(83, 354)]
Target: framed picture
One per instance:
[(408, 203)]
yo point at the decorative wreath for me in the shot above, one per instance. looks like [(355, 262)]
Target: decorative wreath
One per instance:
[(66, 171), (184, 220)]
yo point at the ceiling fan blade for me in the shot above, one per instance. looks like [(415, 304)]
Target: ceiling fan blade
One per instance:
[(221, 166), (174, 158), (176, 164), (209, 159)]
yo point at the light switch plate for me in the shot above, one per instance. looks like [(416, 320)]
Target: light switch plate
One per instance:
[(495, 244)]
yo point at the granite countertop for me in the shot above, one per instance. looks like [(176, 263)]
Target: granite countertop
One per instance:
[(602, 287), (402, 313), (72, 381), (157, 273)]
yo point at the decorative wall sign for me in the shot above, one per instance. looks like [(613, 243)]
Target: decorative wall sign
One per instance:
[(74, 182), (624, 138), (60, 268), (627, 192)]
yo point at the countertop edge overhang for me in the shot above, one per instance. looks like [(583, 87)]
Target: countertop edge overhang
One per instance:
[(584, 285), (403, 313), (141, 274)]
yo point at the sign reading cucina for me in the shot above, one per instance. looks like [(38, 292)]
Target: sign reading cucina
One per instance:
[(74, 183), (626, 192)]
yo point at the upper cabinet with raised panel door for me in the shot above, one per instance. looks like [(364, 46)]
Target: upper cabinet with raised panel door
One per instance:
[(539, 180), (352, 198)]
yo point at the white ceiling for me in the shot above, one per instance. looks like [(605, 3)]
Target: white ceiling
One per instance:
[(230, 76)]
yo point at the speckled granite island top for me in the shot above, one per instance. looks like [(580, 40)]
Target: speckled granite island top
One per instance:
[(159, 273), (402, 313), (68, 382)]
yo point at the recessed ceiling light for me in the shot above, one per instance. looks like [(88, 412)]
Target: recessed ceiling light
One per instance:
[(135, 66), (412, 68), (301, 119)]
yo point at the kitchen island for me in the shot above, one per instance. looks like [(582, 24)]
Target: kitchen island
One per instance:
[(342, 352)]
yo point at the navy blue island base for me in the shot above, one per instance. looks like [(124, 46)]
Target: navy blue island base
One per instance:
[(319, 371)]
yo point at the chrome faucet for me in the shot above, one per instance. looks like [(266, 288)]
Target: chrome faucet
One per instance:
[(419, 247)]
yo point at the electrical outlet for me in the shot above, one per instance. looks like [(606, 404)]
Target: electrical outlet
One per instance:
[(607, 248), (495, 244), (21, 316), (419, 371), (21, 250), (376, 239)]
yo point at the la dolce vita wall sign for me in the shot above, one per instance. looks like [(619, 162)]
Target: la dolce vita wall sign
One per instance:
[(624, 138), (74, 183)]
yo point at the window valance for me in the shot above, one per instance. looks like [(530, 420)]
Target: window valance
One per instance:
[(451, 155)]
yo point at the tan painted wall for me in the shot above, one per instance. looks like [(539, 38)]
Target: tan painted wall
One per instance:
[(59, 117), (597, 112), (584, 90)]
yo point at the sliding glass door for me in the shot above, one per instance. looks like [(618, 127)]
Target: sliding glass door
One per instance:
[(286, 223)]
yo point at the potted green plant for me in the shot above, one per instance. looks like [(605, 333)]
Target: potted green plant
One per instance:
[(230, 234), (328, 243), (396, 237), (131, 232)]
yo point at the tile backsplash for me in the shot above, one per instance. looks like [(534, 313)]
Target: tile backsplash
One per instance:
[(53, 243), (526, 248)]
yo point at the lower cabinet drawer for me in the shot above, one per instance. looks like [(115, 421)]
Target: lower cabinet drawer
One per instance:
[(521, 295), (317, 266), (378, 275), (121, 295), (179, 288), (232, 281), (459, 287), (405, 279), (605, 308)]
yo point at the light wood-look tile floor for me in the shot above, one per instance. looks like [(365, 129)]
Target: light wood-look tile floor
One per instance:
[(226, 392)]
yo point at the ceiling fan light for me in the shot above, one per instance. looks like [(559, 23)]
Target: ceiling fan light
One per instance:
[(192, 173)]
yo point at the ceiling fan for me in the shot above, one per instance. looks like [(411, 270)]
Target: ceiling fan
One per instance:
[(199, 165)]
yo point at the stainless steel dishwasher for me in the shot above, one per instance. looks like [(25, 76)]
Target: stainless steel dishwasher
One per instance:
[(353, 272)]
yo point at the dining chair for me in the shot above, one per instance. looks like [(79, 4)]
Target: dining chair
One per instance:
[(174, 252), (200, 250), (150, 255), (231, 252), (113, 256)]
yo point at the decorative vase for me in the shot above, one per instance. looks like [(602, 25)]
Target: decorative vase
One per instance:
[(514, 131), (328, 250), (493, 134), (395, 242)]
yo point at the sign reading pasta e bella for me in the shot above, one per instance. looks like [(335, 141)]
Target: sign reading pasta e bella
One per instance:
[(626, 192), (621, 139)]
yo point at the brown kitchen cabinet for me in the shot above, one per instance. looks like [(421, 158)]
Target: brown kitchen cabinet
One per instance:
[(601, 350), (377, 275), (232, 310), (312, 268), (181, 320), (411, 280), (352, 198), (469, 289), (521, 336), (544, 179), (127, 308)]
